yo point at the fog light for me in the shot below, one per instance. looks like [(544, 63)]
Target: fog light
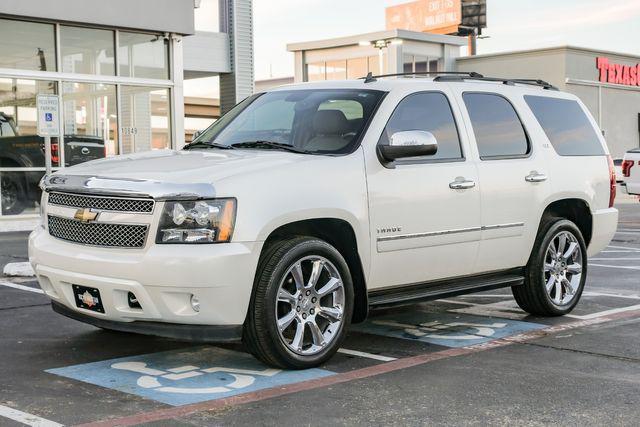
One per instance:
[(133, 301), (195, 303)]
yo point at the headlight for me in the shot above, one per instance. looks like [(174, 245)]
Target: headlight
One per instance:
[(201, 221)]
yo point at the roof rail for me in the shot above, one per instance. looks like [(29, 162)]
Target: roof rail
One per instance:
[(471, 74), (443, 76), (533, 82)]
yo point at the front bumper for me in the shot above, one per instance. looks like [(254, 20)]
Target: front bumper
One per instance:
[(162, 277), (197, 333)]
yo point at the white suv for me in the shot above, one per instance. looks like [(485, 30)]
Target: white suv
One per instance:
[(307, 205)]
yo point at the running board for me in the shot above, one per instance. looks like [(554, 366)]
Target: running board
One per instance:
[(445, 288)]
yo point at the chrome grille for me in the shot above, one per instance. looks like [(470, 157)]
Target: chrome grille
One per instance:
[(97, 233), (102, 203)]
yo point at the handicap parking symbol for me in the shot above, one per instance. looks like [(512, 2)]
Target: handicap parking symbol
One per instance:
[(181, 377), (48, 117), (445, 329)]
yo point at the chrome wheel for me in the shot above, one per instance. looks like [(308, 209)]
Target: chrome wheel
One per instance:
[(310, 305), (563, 268)]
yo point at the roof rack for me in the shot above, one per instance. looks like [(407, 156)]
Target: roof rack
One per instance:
[(533, 82), (371, 78), (442, 76)]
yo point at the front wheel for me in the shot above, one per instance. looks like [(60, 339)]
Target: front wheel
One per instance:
[(556, 272), (302, 304)]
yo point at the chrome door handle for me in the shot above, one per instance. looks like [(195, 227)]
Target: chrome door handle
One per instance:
[(535, 177), (462, 185)]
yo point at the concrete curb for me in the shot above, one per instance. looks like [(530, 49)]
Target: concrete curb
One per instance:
[(18, 269)]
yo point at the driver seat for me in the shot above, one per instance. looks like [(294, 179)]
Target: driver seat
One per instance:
[(330, 128)]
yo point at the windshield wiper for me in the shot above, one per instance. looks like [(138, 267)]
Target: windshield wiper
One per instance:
[(269, 144), (204, 144)]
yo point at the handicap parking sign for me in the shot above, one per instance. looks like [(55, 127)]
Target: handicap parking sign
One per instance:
[(181, 377), (48, 117), (445, 329)]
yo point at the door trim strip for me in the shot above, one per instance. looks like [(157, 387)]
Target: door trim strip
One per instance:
[(452, 231)]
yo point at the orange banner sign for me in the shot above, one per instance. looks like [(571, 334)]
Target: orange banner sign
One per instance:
[(426, 16)]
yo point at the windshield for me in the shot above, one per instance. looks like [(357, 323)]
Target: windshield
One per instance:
[(306, 121)]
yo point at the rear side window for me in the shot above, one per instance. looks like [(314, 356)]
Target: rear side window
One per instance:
[(496, 125), (566, 125), (430, 112)]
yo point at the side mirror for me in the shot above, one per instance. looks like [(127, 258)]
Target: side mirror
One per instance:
[(410, 143)]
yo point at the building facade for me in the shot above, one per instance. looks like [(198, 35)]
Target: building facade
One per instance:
[(383, 52), (608, 84), (119, 68)]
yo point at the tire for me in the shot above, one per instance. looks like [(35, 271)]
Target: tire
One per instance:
[(553, 285), (12, 192), (281, 296)]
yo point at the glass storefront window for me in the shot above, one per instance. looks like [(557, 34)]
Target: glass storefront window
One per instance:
[(407, 63), (316, 71), (421, 64), (20, 146), (90, 122), (356, 68), (143, 55), (22, 154), (374, 64), (145, 121), (87, 50), (27, 45), (336, 70)]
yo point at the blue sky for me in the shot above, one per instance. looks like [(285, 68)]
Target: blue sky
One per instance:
[(512, 25)]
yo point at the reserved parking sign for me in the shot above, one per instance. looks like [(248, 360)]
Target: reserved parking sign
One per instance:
[(48, 115)]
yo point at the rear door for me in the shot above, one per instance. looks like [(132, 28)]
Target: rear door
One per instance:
[(512, 173), (422, 229)]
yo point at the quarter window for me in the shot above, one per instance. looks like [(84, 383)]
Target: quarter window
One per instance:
[(566, 125), (430, 112), (496, 126)]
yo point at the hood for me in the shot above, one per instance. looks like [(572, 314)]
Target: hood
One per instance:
[(205, 166)]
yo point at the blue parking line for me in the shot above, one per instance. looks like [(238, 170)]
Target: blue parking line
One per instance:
[(449, 330), (181, 377)]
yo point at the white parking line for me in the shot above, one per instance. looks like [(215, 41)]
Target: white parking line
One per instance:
[(627, 232), (21, 287), (630, 230), (624, 247), (626, 267), (366, 355), (614, 259), (25, 418), (604, 313)]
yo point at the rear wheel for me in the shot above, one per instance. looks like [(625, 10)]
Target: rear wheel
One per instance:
[(302, 304), (12, 195), (556, 272)]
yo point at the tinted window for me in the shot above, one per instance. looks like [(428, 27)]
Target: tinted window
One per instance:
[(429, 112), (566, 125), (498, 130)]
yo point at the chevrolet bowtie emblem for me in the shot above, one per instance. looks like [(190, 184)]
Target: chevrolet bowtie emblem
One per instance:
[(85, 215)]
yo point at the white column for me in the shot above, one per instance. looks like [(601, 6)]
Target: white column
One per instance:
[(236, 19), (177, 92)]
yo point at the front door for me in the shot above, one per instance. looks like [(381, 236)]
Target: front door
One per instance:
[(424, 212)]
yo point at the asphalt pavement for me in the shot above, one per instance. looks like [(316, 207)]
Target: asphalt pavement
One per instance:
[(471, 360)]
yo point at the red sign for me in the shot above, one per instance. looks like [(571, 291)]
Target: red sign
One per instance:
[(610, 72)]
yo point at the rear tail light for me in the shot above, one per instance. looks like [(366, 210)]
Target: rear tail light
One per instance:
[(626, 168), (55, 154), (612, 182)]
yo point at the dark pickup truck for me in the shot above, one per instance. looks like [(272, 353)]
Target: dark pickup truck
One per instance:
[(19, 189)]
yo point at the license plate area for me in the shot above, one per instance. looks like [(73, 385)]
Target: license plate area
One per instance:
[(88, 298)]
